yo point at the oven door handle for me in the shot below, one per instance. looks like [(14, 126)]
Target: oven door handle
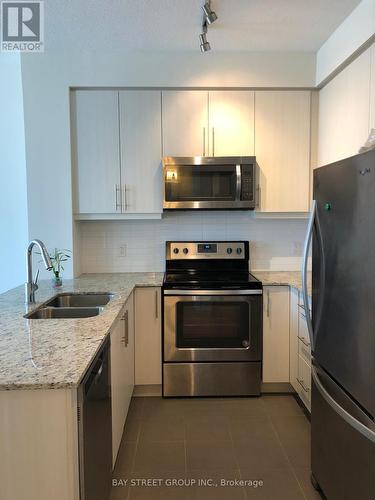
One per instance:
[(213, 292)]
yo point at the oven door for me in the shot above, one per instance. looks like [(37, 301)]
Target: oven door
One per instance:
[(216, 325)]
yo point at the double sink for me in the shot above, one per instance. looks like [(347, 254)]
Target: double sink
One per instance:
[(71, 305)]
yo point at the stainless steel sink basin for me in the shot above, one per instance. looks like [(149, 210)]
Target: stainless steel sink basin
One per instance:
[(64, 312), (79, 300)]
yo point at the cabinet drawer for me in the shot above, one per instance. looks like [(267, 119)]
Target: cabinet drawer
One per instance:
[(304, 348), (304, 381), (300, 301), (304, 351)]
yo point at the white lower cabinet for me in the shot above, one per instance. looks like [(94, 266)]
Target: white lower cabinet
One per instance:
[(293, 338), (148, 336), (275, 334), (122, 371), (304, 380), (300, 350)]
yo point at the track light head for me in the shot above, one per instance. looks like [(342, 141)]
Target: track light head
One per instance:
[(204, 44), (209, 14)]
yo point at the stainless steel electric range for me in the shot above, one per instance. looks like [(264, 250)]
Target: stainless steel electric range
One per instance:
[(212, 320)]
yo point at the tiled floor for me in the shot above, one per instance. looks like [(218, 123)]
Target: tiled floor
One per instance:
[(253, 439)]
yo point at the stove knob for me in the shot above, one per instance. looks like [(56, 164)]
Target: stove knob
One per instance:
[(239, 250), (229, 250), (175, 250), (185, 250)]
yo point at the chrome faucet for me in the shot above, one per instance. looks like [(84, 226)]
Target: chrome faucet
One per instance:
[(31, 286)]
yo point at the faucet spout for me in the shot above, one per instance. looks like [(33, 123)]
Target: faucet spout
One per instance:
[(31, 286)]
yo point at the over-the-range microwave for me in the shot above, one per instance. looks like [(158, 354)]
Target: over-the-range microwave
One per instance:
[(209, 183)]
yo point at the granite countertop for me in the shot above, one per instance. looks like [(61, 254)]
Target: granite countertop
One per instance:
[(291, 278), (55, 353)]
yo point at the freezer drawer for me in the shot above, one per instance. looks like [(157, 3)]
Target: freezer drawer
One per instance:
[(343, 459)]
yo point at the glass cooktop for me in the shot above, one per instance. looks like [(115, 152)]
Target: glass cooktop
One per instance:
[(211, 279)]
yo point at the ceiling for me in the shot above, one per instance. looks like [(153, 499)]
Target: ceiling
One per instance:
[(255, 25)]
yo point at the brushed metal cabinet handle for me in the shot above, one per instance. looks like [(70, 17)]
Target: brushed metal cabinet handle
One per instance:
[(213, 141), (268, 303), (307, 344), (156, 305), (125, 198), (204, 141), (306, 389), (125, 337), (127, 329), (117, 204)]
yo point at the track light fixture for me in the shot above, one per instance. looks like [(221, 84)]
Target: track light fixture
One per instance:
[(209, 17), (209, 14), (205, 46)]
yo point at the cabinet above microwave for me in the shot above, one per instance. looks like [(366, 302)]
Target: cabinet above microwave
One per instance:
[(209, 183)]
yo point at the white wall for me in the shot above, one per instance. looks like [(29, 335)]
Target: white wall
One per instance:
[(353, 33), (275, 244), (13, 200), (47, 78)]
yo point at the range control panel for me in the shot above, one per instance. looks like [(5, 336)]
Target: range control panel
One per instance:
[(180, 250)]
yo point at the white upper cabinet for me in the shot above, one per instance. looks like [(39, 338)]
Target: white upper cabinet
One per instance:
[(96, 156), (231, 123), (140, 143), (344, 111), (185, 123), (282, 149)]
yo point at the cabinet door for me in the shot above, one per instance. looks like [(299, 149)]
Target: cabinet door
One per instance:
[(231, 123), (118, 383), (344, 112), (304, 380), (293, 339), (147, 336), (276, 334), (140, 137), (122, 371), (96, 152), (185, 123), (129, 354), (282, 149)]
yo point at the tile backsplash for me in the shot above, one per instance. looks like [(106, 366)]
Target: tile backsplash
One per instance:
[(139, 245)]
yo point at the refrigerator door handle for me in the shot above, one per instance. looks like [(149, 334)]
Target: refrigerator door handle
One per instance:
[(305, 257), (349, 419)]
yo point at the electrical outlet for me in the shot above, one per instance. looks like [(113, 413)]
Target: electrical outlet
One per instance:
[(122, 251)]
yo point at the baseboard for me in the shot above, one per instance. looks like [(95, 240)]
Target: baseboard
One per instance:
[(147, 390), (156, 389), (276, 387)]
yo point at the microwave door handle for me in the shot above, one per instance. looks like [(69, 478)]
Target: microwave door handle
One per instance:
[(238, 182)]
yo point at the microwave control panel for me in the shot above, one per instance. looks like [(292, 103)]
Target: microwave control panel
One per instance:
[(247, 184)]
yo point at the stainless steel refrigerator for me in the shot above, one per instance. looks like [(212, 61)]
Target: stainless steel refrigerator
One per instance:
[(342, 328)]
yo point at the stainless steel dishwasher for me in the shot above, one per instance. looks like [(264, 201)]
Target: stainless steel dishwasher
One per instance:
[(95, 428)]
